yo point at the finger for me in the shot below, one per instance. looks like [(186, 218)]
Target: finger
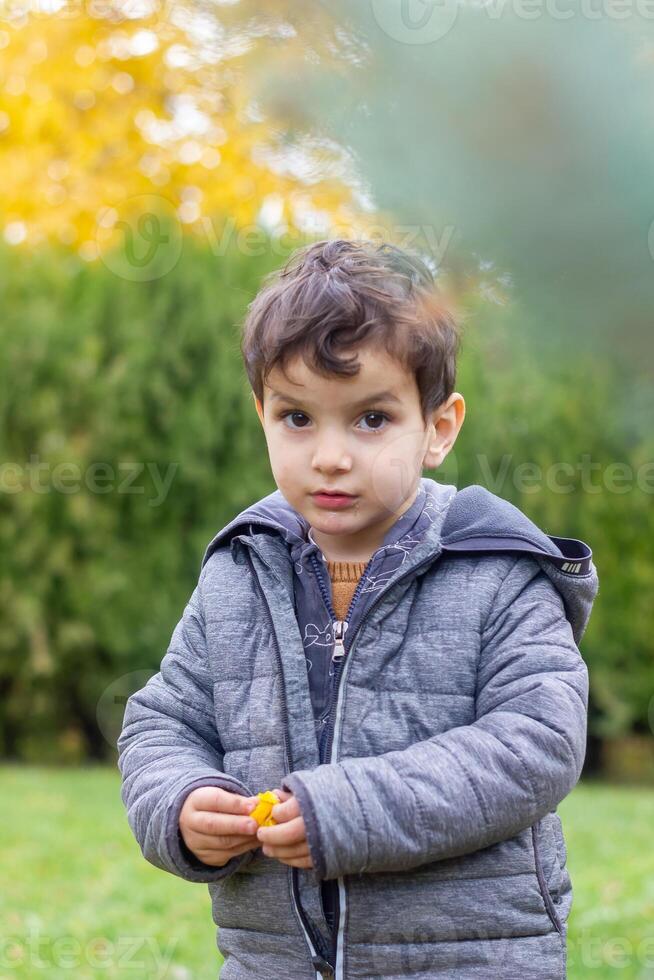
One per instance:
[(290, 851), (219, 857), (219, 800), (284, 833), (282, 794), (298, 862), (211, 842), (281, 812), (222, 824)]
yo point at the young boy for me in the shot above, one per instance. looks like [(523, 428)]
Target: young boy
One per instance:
[(397, 659)]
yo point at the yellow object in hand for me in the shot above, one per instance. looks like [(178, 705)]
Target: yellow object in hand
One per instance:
[(262, 810)]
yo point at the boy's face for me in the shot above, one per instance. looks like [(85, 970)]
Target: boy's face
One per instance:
[(331, 433)]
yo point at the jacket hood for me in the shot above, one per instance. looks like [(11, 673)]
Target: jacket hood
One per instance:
[(474, 520)]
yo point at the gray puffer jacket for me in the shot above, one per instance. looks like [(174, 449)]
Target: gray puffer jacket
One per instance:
[(455, 721)]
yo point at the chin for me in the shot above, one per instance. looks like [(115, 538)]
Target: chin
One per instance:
[(319, 514), (333, 522)]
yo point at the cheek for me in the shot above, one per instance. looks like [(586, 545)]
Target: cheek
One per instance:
[(278, 446), (395, 467), (283, 442), (286, 461)]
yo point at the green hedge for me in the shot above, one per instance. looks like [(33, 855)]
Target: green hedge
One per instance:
[(112, 385), (142, 378)]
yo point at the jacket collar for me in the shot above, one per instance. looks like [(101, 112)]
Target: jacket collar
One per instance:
[(471, 520), (273, 515)]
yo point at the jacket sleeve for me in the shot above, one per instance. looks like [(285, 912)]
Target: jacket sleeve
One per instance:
[(169, 746), (474, 785)]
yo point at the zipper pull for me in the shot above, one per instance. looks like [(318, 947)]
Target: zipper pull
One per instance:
[(339, 626)]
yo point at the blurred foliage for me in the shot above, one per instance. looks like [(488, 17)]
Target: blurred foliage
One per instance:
[(497, 136), (128, 438), (143, 379), (629, 759), (563, 439), (127, 432)]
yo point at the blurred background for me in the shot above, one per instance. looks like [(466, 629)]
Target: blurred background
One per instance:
[(159, 158)]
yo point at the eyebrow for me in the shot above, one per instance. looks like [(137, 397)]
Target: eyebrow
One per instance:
[(380, 396)]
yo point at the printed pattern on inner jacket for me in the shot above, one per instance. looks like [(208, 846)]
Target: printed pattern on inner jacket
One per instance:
[(314, 621)]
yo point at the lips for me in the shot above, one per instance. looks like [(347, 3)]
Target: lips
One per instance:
[(333, 500)]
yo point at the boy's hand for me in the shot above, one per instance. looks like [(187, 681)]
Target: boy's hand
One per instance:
[(215, 825), (288, 840)]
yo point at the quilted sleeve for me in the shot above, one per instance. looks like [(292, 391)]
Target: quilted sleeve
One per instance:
[(169, 746)]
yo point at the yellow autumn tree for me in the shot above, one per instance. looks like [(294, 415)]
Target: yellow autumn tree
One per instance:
[(107, 111)]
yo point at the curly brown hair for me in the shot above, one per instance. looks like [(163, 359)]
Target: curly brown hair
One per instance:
[(339, 294)]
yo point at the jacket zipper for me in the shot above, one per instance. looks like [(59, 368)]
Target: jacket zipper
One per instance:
[(319, 954), (338, 657), (339, 628)]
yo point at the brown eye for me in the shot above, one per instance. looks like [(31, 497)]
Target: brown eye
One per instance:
[(376, 415), (294, 415)]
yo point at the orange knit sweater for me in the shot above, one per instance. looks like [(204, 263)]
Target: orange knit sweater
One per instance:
[(344, 577)]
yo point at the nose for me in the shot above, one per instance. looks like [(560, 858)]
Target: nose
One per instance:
[(331, 455)]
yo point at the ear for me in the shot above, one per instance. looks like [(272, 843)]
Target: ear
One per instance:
[(259, 407), (443, 430)]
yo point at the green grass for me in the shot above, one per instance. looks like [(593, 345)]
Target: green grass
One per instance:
[(78, 900), (609, 838), (82, 901)]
